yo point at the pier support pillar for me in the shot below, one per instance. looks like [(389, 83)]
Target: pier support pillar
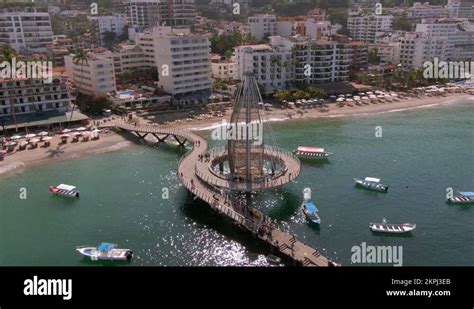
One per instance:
[(221, 167)]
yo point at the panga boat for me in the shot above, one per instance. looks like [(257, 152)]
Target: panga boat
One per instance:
[(384, 227), (463, 198), (106, 251), (371, 183), (273, 259), (312, 152), (64, 190), (309, 209)]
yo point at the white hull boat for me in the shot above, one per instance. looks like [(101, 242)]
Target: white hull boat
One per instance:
[(371, 183), (106, 251), (64, 190), (385, 227)]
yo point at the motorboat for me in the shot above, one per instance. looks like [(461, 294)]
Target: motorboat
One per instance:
[(371, 183), (64, 190), (312, 152), (105, 251), (385, 227), (462, 198), (309, 209)]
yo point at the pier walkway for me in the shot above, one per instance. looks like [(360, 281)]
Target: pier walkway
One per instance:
[(249, 219)]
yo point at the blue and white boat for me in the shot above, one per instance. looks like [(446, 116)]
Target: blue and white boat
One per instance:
[(309, 209), (371, 183), (462, 198), (106, 251)]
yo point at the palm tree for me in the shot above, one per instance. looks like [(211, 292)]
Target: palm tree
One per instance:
[(7, 53), (80, 57)]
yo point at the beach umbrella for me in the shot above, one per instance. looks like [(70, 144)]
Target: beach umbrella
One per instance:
[(66, 131), (365, 98), (349, 100), (12, 143), (77, 134), (14, 137), (340, 100), (65, 136), (47, 138), (34, 140), (81, 129), (44, 133)]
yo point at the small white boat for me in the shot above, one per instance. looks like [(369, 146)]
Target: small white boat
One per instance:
[(384, 227), (371, 183), (463, 198), (64, 190), (106, 251), (273, 259), (309, 209), (312, 152)]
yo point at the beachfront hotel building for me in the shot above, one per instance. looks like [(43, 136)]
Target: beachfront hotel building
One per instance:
[(270, 64), (366, 28), (149, 13), (29, 96), (285, 61), (34, 102), (96, 76), (115, 23), (25, 29), (181, 57)]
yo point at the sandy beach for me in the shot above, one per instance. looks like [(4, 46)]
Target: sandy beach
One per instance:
[(112, 141)]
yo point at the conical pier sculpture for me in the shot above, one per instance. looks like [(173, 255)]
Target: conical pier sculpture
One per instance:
[(246, 163)]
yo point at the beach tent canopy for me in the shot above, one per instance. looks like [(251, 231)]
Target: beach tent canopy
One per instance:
[(310, 149), (105, 246), (372, 179), (65, 187), (311, 207)]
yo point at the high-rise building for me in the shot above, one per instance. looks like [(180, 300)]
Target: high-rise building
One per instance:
[(150, 13), (367, 27), (285, 61), (25, 29), (182, 59), (109, 23)]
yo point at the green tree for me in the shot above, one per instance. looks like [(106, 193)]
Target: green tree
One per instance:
[(315, 92), (283, 96), (373, 56), (109, 38)]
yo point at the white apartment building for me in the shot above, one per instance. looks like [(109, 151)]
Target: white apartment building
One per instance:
[(150, 13), (128, 57), (262, 25), (388, 53), (421, 10), (109, 23), (417, 47), (460, 8), (182, 59), (96, 76), (284, 61), (458, 33), (271, 65), (225, 70), (28, 96), (367, 27), (26, 29), (329, 61)]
